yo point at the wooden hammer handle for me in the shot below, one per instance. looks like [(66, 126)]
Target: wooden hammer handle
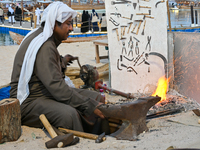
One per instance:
[(145, 7), (81, 134), (129, 27), (142, 14), (117, 34), (149, 17), (47, 126), (134, 27), (138, 28), (144, 24), (126, 17)]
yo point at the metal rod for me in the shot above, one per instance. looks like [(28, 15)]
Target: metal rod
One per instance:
[(127, 95)]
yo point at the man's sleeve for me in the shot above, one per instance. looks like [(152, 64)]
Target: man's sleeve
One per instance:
[(48, 70)]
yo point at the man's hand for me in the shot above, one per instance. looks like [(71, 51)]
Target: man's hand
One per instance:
[(98, 112), (70, 58)]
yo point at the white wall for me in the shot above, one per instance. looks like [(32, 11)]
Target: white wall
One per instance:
[(140, 80)]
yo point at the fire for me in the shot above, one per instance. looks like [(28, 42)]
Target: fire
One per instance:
[(161, 88)]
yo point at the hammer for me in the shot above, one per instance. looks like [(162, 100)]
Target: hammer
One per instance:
[(149, 17), (98, 138), (144, 7), (138, 28), (134, 28), (99, 85), (123, 27), (129, 27), (143, 27), (144, 13), (116, 29), (128, 18), (56, 141)]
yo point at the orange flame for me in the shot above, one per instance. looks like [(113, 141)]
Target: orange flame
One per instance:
[(161, 88)]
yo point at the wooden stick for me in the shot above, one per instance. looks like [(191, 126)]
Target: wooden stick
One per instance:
[(149, 17), (168, 13), (124, 30), (144, 7), (34, 17), (129, 27), (133, 28), (142, 14), (117, 34), (47, 126), (144, 24), (138, 28), (121, 32), (81, 134), (143, 27)]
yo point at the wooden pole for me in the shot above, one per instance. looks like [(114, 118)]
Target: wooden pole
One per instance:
[(22, 9), (70, 3), (168, 13), (34, 17)]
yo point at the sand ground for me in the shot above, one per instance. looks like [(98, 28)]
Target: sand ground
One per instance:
[(180, 130)]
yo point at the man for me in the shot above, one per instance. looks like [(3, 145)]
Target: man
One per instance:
[(1, 15), (18, 13), (38, 75), (37, 13), (11, 14)]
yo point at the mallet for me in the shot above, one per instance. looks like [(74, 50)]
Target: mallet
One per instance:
[(56, 141)]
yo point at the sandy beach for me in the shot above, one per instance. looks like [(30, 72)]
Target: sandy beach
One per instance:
[(180, 130)]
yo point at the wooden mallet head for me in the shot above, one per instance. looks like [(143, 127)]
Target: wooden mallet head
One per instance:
[(60, 141)]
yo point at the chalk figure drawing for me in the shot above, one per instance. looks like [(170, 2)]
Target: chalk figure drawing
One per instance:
[(137, 37)]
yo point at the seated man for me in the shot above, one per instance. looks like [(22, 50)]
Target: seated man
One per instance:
[(38, 75)]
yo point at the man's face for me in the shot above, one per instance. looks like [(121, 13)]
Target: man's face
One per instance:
[(62, 32)]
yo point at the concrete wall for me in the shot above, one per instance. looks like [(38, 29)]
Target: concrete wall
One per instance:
[(184, 63)]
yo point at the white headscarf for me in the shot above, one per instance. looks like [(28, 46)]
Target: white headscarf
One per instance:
[(10, 9), (37, 12), (55, 11)]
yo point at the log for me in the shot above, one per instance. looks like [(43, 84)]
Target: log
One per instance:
[(78, 82), (10, 120), (75, 71)]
